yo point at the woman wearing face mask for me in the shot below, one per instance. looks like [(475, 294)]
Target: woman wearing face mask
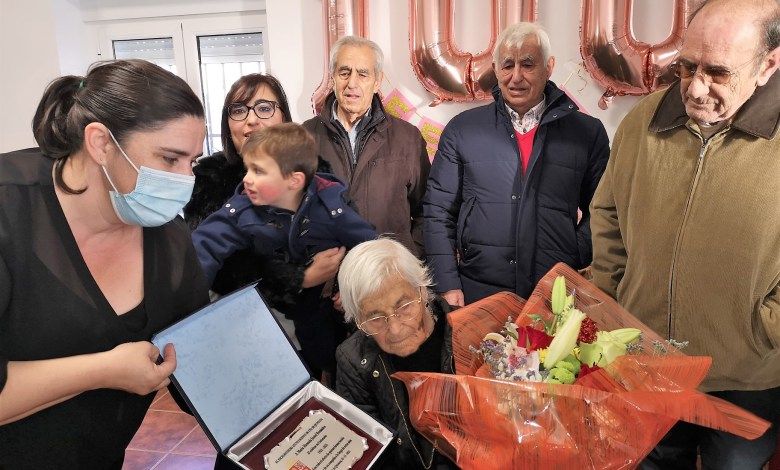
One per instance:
[(93, 261), (253, 102)]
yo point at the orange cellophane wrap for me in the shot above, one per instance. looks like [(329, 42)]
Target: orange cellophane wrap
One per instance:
[(609, 419)]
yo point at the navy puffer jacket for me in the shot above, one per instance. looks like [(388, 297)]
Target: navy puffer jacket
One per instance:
[(488, 227)]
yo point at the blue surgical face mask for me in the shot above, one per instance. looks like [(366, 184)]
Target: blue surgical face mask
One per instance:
[(158, 197)]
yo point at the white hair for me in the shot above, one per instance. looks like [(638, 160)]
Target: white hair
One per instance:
[(356, 41), (514, 35), (368, 265)]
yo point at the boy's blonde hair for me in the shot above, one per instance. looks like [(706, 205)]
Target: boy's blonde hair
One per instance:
[(289, 145)]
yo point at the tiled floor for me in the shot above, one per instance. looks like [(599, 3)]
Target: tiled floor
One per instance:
[(169, 439)]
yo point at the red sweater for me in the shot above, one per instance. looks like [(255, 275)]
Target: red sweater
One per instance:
[(525, 143)]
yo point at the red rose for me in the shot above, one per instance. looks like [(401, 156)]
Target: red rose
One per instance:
[(532, 339)]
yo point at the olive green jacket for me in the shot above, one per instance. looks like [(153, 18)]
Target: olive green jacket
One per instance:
[(686, 233)]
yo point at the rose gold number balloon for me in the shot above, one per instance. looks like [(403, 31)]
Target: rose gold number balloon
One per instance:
[(341, 18), (615, 59), (441, 67), (660, 55), (444, 70)]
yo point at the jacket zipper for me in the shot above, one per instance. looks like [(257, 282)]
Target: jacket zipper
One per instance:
[(527, 176), (676, 250), (345, 157), (361, 143), (350, 156)]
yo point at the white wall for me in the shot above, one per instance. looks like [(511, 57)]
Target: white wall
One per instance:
[(102, 10), (42, 39), (29, 58), (71, 36)]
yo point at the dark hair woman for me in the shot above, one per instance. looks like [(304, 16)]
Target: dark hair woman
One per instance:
[(253, 102), (92, 261)]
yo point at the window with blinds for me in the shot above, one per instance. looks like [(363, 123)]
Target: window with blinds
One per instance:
[(224, 58)]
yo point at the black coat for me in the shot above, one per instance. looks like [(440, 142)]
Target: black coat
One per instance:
[(364, 380), (508, 228), (216, 179)]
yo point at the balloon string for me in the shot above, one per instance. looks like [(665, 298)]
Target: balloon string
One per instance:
[(581, 74), (568, 77), (578, 70)]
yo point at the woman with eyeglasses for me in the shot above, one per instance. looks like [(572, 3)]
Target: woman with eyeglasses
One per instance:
[(93, 261), (402, 326), (253, 102)]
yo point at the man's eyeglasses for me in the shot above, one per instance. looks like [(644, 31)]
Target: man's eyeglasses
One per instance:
[(508, 66), (380, 324), (263, 109), (718, 75)]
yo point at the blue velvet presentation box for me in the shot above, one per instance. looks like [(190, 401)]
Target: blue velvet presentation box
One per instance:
[(243, 379)]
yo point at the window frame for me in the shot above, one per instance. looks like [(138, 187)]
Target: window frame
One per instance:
[(184, 32)]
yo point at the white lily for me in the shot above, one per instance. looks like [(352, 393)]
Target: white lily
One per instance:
[(565, 339)]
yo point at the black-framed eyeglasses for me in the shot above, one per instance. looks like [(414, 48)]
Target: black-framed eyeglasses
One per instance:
[(684, 69), (263, 109), (380, 323)]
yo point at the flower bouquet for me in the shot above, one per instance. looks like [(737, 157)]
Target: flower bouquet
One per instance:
[(571, 381)]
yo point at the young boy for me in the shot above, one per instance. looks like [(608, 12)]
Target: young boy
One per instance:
[(284, 210)]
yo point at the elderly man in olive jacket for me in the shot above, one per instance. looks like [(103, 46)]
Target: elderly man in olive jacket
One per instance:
[(382, 159), (686, 221)]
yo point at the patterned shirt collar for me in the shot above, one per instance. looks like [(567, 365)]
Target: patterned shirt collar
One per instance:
[(523, 124)]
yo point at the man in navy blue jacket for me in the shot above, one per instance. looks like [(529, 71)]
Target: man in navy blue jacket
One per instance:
[(509, 189)]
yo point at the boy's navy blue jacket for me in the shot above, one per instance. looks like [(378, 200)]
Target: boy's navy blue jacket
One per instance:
[(324, 220)]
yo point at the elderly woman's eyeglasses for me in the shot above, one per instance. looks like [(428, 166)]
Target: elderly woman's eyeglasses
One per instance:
[(718, 75), (380, 323), (263, 109)]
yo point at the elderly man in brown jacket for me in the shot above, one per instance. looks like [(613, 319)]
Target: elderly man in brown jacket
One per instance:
[(686, 221), (382, 159)]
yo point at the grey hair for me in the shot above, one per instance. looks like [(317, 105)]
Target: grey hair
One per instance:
[(771, 37), (514, 35), (368, 265), (356, 41)]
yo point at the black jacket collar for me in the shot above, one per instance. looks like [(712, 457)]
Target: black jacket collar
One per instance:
[(558, 103), (377, 112)]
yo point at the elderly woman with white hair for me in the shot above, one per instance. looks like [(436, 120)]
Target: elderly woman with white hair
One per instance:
[(401, 327)]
